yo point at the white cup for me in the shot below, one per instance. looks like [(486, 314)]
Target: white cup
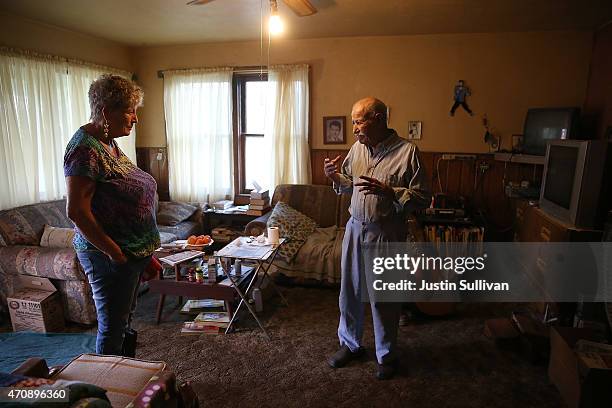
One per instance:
[(273, 235)]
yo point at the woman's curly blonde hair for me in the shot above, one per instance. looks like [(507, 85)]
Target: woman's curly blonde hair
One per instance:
[(112, 92)]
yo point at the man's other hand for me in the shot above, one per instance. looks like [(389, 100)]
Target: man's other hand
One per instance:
[(371, 185), (331, 166)]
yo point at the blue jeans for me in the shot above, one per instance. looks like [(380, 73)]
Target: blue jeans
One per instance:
[(114, 288)]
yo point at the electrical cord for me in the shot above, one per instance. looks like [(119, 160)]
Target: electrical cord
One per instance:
[(438, 174)]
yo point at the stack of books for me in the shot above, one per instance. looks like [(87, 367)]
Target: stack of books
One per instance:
[(260, 203), (207, 323), (199, 328), (197, 306)]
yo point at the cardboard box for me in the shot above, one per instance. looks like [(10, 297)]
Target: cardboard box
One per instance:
[(36, 306), (580, 386)]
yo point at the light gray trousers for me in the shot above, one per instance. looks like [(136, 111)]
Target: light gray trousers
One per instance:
[(385, 315)]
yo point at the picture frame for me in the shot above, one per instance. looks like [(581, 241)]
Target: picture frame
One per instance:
[(415, 130), (334, 130)]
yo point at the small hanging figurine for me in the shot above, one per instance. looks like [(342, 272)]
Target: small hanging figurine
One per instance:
[(461, 92)]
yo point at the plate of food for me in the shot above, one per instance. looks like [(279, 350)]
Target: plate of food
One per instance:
[(198, 242)]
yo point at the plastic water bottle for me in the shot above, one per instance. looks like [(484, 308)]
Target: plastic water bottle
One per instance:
[(257, 299)]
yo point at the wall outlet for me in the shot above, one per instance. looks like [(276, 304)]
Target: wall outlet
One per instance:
[(415, 130)]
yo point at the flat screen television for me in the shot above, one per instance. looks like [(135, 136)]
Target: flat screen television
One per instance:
[(575, 181), (545, 124)]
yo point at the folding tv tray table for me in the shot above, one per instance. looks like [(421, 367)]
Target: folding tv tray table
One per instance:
[(262, 255)]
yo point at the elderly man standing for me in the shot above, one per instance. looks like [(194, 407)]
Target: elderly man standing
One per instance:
[(387, 181)]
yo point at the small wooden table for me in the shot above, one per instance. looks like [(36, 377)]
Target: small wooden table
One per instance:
[(225, 290)]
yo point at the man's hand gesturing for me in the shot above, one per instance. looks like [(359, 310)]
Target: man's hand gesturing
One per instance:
[(331, 166), (370, 185)]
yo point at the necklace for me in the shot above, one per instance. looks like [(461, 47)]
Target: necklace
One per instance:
[(111, 148)]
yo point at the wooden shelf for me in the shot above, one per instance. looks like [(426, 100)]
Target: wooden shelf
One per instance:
[(519, 158)]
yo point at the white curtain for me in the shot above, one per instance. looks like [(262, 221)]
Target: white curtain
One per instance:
[(198, 113), (287, 125), (43, 102)]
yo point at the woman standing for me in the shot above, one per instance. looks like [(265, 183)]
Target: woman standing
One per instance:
[(112, 204)]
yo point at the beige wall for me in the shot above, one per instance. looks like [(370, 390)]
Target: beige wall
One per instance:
[(414, 75), (26, 34)]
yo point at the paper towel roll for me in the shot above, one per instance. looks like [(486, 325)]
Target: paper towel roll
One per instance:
[(273, 235)]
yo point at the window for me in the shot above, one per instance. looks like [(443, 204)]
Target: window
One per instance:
[(249, 124), (244, 126), (44, 100)]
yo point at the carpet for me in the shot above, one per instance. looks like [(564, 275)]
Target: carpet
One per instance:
[(56, 349), (445, 362)]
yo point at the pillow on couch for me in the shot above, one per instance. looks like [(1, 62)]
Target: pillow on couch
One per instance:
[(54, 237), (173, 213), (293, 225)]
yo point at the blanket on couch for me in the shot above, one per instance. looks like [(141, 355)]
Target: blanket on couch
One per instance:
[(318, 258)]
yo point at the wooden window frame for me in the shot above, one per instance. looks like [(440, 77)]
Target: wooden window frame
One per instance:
[(239, 123)]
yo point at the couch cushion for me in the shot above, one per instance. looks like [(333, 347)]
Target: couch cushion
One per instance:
[(182, 230), (166, 237), (25, 225), (293, 225), (50, 263), (172, 212), (77, 301), (316, 201), (54, 237)]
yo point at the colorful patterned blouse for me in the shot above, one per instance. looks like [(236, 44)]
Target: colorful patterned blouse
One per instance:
[(124, 200)]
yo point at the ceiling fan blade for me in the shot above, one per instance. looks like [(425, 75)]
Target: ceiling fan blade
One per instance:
[(302, 8), (198, 2)]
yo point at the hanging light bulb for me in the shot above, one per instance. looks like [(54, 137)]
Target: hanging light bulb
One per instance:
[(275, 25)]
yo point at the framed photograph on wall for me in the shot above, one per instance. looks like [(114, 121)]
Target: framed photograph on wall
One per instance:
[(334, 130)]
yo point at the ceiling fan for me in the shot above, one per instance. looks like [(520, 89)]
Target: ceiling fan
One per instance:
[(302, 8)]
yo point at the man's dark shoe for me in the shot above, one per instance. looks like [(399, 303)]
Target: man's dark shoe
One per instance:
[(344, 356), (387, 371)]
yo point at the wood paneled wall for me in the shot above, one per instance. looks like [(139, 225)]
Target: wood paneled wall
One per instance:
[(482, 189), (154, 160), (480, 182)]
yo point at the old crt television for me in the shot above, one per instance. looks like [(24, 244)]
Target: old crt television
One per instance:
[(575, 184), (545, 124)]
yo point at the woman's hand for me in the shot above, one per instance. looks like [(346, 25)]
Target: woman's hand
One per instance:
[(119, 259)]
